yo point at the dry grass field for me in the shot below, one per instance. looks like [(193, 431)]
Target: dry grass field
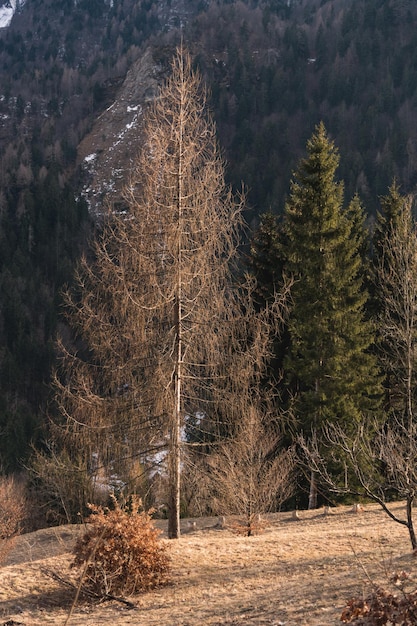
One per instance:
[(297, 572)]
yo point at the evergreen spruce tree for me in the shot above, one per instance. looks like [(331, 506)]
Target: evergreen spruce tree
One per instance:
[(267, 265), (392, 207), (393, 293), (329, 364), (359, 233), (266, 258)]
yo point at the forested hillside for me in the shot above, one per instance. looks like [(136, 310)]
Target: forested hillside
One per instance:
[(274, 68), (275, 74)]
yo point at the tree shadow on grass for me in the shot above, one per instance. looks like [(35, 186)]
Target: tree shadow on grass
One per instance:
[(48, 600)]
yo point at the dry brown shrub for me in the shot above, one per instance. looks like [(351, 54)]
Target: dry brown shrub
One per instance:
[(384, 607), (247, 528), (12, 512), (63, 485), (121, 551)]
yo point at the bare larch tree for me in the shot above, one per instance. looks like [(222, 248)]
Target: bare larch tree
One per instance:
[(157, 310)]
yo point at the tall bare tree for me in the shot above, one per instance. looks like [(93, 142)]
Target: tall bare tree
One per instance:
[(159, 314)]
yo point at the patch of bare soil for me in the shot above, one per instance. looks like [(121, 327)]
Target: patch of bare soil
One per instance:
[(297, 572)]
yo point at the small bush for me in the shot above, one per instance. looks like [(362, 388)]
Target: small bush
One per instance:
[(63, 486), (383, 607), (254, 525), (121, 551), (12, 512)]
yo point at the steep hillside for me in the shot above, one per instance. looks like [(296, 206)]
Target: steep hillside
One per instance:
[(274, 76), (61, 66), (276, 69), (74, 77)]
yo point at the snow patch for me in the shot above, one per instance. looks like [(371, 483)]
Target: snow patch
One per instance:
[(8, 10), (126, 129), (6, 14)]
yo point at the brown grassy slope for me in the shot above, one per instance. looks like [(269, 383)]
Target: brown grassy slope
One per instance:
[(296, 572)]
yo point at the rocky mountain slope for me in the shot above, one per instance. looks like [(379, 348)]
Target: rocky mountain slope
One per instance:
[(107, 153)]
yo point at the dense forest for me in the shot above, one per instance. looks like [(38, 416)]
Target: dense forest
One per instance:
[(274, 70)]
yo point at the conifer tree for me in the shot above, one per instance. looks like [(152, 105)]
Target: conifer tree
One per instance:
[(391, 209), (393, 447), (328, 364), (266, 258), (387, 222), (267, 265), (394, 298)]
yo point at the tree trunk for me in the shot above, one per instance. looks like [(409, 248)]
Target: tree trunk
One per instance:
[(312, 496), (174, 480), (175, 466), (410, 524)]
